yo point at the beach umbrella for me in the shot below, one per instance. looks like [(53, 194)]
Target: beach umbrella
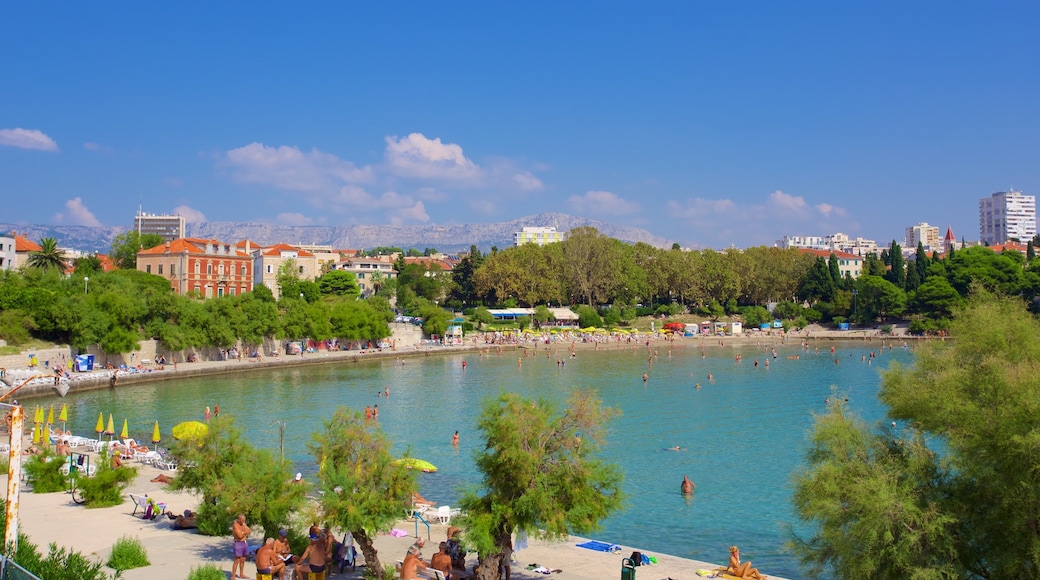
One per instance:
[(156, 438), (36, 434), (111, 429), (50, 415), (100, 428), (189, 430), (38, 416), (63, 416), (124, 433)]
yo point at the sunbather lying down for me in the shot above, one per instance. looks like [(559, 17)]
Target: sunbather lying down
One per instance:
[(543, 569), (162, 478), (185, 521)]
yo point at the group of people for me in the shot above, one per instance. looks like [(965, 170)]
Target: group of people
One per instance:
[(413, 559), (275, 555)]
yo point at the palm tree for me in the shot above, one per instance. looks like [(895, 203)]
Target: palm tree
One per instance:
[(49, 257)]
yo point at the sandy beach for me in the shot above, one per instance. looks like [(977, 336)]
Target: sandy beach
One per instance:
[(53, 517)]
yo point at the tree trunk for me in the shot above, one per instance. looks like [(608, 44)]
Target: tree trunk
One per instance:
[(369, 551), (490, 565)]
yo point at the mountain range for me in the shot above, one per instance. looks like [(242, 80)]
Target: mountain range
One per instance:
[(445, 238)]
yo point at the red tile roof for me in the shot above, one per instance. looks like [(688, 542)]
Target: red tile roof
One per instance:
[(192, 246), (827, 254), (277, 249), (24, 244)]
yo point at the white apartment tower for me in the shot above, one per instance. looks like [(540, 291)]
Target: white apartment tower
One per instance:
[(1007, 215), (927, 235)]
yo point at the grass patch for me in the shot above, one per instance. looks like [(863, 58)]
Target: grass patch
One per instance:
[(128, 553), (206, 572)]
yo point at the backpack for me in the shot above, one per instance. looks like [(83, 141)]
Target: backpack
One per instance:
[(637, 558)]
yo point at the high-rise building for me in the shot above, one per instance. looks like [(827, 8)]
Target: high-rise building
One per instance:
[(170, 227), (1007, 215), (540, 236), (927, 235)]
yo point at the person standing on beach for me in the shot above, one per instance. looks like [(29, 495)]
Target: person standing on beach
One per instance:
[(207, 413), (239, 532)]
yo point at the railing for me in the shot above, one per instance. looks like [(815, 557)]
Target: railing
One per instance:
[(419, 518), (11, 571)]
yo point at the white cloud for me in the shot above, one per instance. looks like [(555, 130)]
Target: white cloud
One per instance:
[(527, 181), (415, 214), (418, 156), (27, 139), (826, 210), (602, 202), (289, 168), (190, 215), (785, 202), (293, 219), (76, 214)]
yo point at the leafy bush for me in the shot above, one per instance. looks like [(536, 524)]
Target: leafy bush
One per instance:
[(45, 472), (587, 317), (206, 572), (886, 329), (108, 486), (838, 320), (127, 553), (389, 573), (60, 563)]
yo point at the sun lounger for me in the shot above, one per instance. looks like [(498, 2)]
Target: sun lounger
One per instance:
[(141, 501)]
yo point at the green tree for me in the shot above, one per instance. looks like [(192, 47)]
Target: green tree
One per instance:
[(88, 265), (835, 270), (818, 284), (363, 488), (954, 493), (921, 262), (233, 477), (897, 266), (339, 283), (125, 247), (936, 298), (540, 474), (48, 257)]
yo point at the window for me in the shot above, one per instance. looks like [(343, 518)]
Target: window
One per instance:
[(361, 275), (209, 269), (231, 291), (173, 269), (220, 291), (148, 268), (196, 269), (301, 269), (243, 270), (220, 269), (269, 268)]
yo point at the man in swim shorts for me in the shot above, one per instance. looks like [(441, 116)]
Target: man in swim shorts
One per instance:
[(239, 532), (267, 561)]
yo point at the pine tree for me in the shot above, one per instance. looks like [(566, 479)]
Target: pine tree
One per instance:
[(897, 271), (922, 263), (832, 263)]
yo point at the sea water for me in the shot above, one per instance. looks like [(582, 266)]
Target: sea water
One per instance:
[(742, 437)]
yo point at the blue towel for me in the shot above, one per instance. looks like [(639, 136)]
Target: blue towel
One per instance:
[(600, 546)]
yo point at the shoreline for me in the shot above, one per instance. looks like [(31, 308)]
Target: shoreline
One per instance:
[(100, 379)]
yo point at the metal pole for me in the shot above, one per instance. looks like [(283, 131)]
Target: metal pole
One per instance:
[(14, 475)]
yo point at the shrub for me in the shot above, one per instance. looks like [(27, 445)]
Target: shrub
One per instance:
[(60, 563), (886, 329), (107, 487), (389, 573), (127, 553), (588, 317), (45, 472), (206, 572)]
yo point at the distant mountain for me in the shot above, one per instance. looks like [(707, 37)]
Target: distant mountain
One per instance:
[(445, 238)]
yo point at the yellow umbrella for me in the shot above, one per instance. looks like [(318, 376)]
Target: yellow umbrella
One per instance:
[(63, 416), (36, 434), (111, 429), (100, 425), (50, 415), (189, 430), (124, 433), (38, 416), (155, 433)]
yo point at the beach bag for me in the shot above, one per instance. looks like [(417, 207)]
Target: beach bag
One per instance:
[(637, 558)]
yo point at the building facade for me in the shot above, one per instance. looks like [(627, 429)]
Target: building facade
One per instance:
[(370, 272), (204, 268), (849, 265), (269, 260), (1006, 216), (927, 235), (536, 235), (7, 253), (169, 227)]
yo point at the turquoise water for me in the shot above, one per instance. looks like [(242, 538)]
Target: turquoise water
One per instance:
[(743, 436)]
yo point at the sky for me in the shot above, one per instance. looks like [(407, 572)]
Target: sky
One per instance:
[(709, 124)]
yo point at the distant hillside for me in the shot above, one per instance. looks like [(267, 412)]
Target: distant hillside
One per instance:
[(450, 238)]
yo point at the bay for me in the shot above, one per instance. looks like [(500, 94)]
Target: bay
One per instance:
[(742, 437)]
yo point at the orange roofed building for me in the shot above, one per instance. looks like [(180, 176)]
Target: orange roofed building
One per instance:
[(206, 268), (848, 264)]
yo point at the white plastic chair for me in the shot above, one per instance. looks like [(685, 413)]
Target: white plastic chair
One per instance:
[(442, 515)]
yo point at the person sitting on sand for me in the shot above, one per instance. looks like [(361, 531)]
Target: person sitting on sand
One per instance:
[(442, 561), (315, 554), (185, 521), (741, 570), (413, 561)]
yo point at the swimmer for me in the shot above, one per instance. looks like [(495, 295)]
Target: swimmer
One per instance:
[(676, 448), (687, 486), (697, 386), (645, 377)]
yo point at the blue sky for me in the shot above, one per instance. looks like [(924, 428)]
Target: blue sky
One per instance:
[(709, 124)]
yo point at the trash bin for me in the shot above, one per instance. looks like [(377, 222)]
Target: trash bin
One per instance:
[(628, 569)]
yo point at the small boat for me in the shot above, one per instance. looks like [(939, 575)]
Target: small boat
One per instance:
[(414, 463)]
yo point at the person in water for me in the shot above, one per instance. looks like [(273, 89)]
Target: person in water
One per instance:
[(687, 486), (741, 570)]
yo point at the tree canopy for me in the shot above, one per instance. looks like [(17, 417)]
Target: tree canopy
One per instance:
[(954, 490), (540, 473)]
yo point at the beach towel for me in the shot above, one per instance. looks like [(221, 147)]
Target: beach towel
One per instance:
[(398, 533), (600, 546)]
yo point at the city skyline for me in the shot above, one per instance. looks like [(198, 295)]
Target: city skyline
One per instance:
[(707, 125)]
